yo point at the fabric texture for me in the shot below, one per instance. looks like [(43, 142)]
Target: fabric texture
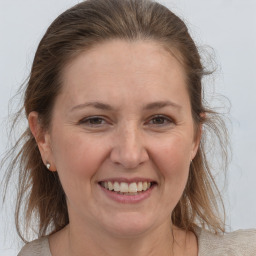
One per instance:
[(238, 243), (39, 247)]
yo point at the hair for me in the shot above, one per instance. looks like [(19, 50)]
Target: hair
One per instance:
[(77, 30)]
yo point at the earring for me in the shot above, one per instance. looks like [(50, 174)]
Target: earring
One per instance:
[(48, 166)]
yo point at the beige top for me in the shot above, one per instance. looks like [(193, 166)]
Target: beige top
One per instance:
[(238, 243)]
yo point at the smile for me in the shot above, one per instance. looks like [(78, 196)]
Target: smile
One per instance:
[(124, 188)]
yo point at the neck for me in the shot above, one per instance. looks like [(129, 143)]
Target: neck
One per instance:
[(86, 241)]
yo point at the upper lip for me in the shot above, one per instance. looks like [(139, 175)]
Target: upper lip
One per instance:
[(128, 180)]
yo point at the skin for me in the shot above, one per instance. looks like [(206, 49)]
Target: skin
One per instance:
[(133, 138)]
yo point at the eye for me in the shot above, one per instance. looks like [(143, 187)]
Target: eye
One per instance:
[(160, 120), (93, 121)]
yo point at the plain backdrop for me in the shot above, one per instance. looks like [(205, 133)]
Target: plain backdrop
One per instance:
[(228, 26)]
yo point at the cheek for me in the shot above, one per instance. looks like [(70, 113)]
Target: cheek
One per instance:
[(175, 152), (77, 157), (172, 158)]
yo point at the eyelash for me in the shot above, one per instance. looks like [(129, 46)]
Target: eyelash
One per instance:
[(165, 121), (92, 118)]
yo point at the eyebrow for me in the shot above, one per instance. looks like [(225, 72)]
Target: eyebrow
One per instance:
[(97, 105), (161, 104), (150, 106)]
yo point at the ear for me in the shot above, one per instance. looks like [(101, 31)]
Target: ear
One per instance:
[(197, 139), (42, 138)]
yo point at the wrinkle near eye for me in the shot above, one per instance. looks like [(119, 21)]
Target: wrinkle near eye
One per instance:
[(93, 121), (162, 119)]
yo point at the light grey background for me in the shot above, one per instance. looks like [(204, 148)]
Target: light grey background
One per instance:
[(229, 26)]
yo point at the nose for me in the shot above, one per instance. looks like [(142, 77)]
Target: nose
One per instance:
[(128, 148)]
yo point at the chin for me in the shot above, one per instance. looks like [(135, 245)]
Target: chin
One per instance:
[(130, 224)]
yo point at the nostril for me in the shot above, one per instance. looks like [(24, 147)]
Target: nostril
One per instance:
[(129, 158)]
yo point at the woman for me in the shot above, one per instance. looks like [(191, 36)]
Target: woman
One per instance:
[(114, 154)]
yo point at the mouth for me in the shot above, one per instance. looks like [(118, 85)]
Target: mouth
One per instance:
[(127, 188)]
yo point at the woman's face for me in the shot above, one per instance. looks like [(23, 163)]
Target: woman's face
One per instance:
[(122, 121)]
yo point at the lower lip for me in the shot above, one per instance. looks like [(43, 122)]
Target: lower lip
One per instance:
[(126, 199)]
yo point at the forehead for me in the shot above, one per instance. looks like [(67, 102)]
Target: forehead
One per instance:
[(120, 68), (125, 56)]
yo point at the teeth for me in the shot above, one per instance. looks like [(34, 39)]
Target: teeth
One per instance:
[(110, 186), (116, 186), (140, 186), (133, 188), (144, 186), (125, 188)]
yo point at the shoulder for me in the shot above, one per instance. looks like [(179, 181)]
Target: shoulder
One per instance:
[(241, 242), (39, 247)]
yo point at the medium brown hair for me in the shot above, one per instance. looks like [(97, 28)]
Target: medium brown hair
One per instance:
[(79, 29)]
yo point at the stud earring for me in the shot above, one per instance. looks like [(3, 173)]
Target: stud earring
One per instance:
[(48, 166)]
